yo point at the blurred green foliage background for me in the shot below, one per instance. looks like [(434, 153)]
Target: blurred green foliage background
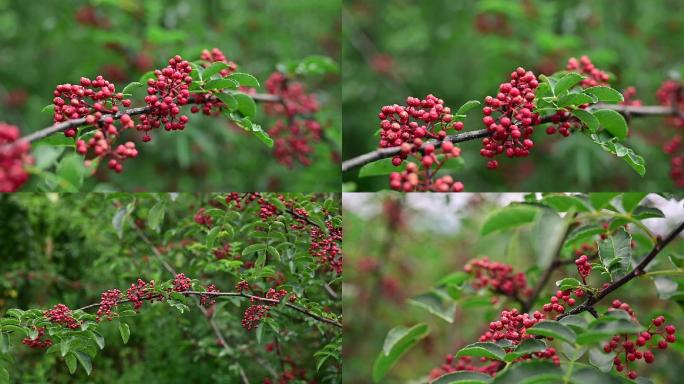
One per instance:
[(398, 246), (462, 50), (53, 42)]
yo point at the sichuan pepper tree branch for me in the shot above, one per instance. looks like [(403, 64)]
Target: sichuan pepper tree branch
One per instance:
[(60, 127), (626, 110), (588, 305)]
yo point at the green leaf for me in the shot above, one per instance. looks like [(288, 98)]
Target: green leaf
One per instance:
[(467, 106), (219, 84), (70, 361), (601, 199), (146, 76), (97, 338), (131, 86), (156, 215), (437, 303), (228, 99), (262, 135), (50, 108), (529, 372), (125, 332), (273, 252), (509, 217), (488, 350), (4, 342), (85, 360), (214, 69), (245, 79), (587, 118), (574, 321), (526, 347), (399, 340), (246, 105), (677, 260), (615, 253), (589, 375), (118, 221), (631, 200), (574, 99), (64, 348), (550, 328), (568, 283), (253, 248), (585, 232), (641, 213), (71, 170), (380, 167), (613, 122), (606, 94), (601, 360), (564, 203), (604, 328), (568, 81), (463, 377)]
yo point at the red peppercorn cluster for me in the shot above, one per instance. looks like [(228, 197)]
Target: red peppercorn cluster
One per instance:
[(14, 156), (223, 252), (417, 119), (140, 292), (182, 283), (165, 95), (630, 348), (556, 301), (512, 326), (275, 294), (267, 209), (498, 277), (671, 94), (291, 133), (326, 248), (102, 146), (206, 102), (92, 99), (510, 119), (584, 66), (108, 300), (583, 267), (629, 96), (415, 179), (242, 285), (39, 342), (202, 218), (253, 316), (61, 314), (207, 300)]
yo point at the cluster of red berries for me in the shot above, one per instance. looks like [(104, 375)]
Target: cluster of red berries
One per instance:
[(182, 283), (207, 300), (510, 119), (584, 66), (512, 326), (217, 56), (498, 277), (627, 347), (202, 218), (100, 144), (556, 301), (242, 285), (417, 119), (108, 300), (326, 248), (256, 312), (61, 314), (413, 179), (14, 156), (292, 136), (71, 102), (267, 209), (165, 95), (671, 93), (583, 267), (141, 292), (629, 96), (38, 342), (222, 252)]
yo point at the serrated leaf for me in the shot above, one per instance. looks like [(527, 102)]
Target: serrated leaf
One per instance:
[(380, 167), (70, 361), (568, 81), (641, 213), (605, 94), (509, 217), (245, 79), (574, 99), (214, 69), (125, 332), (463, 377), (488, 350), (606, 327), (530, 372), (253, 248), (584, 232), (399, 340), (550, 328), (568, 283), (613, 122), (228, 99), (262, 135), (526, 347), (587, 118), (86, 361), (467, 106), (615, 253), (437, 304), (273, 252), (246, 105)]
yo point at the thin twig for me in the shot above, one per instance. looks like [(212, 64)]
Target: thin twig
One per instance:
[(634, 111), (637, 271)]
